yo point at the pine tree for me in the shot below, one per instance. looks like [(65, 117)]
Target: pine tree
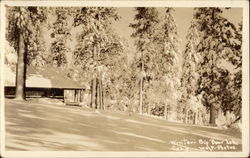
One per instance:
[(145, 28), (190, 61), (169, 60), (97, 44), (219, 46), (22, 32), (190, 74)]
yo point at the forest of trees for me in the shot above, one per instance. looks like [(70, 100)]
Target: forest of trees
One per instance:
[(201, 85)]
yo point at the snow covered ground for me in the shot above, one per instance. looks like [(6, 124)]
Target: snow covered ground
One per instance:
[(36, 126)]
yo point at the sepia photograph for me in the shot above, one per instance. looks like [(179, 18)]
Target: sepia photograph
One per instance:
[(139, 79)]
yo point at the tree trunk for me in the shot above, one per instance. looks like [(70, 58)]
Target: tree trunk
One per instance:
[(93, 93), (141, 84), (100, 89), (168, 112), (199, 121), (148, 109), (94, 81), (140, 103), (196, 118), (165, 112), (103, 97), (189, 116), (97, 94), (212, 108), (186, 117), (21, 70), (212, 115)]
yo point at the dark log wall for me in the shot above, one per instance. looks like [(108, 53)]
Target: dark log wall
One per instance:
[(9, 92)]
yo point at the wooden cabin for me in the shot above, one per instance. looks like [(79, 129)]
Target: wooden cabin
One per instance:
[(49, 82)]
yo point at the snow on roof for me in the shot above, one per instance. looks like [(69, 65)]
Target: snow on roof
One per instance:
[(44, 77)]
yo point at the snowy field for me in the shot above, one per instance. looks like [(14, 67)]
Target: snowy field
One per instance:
[(36, 126)]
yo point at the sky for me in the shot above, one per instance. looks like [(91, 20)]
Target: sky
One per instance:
[(183, 17)]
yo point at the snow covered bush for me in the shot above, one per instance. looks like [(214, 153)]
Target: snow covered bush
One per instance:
[(225, 120)]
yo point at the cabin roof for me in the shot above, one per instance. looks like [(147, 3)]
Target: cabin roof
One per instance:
[(43, 77)]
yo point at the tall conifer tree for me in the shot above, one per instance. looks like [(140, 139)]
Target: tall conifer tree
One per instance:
[(219, 46), (23, 29), (145, 29), (96, 44)]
